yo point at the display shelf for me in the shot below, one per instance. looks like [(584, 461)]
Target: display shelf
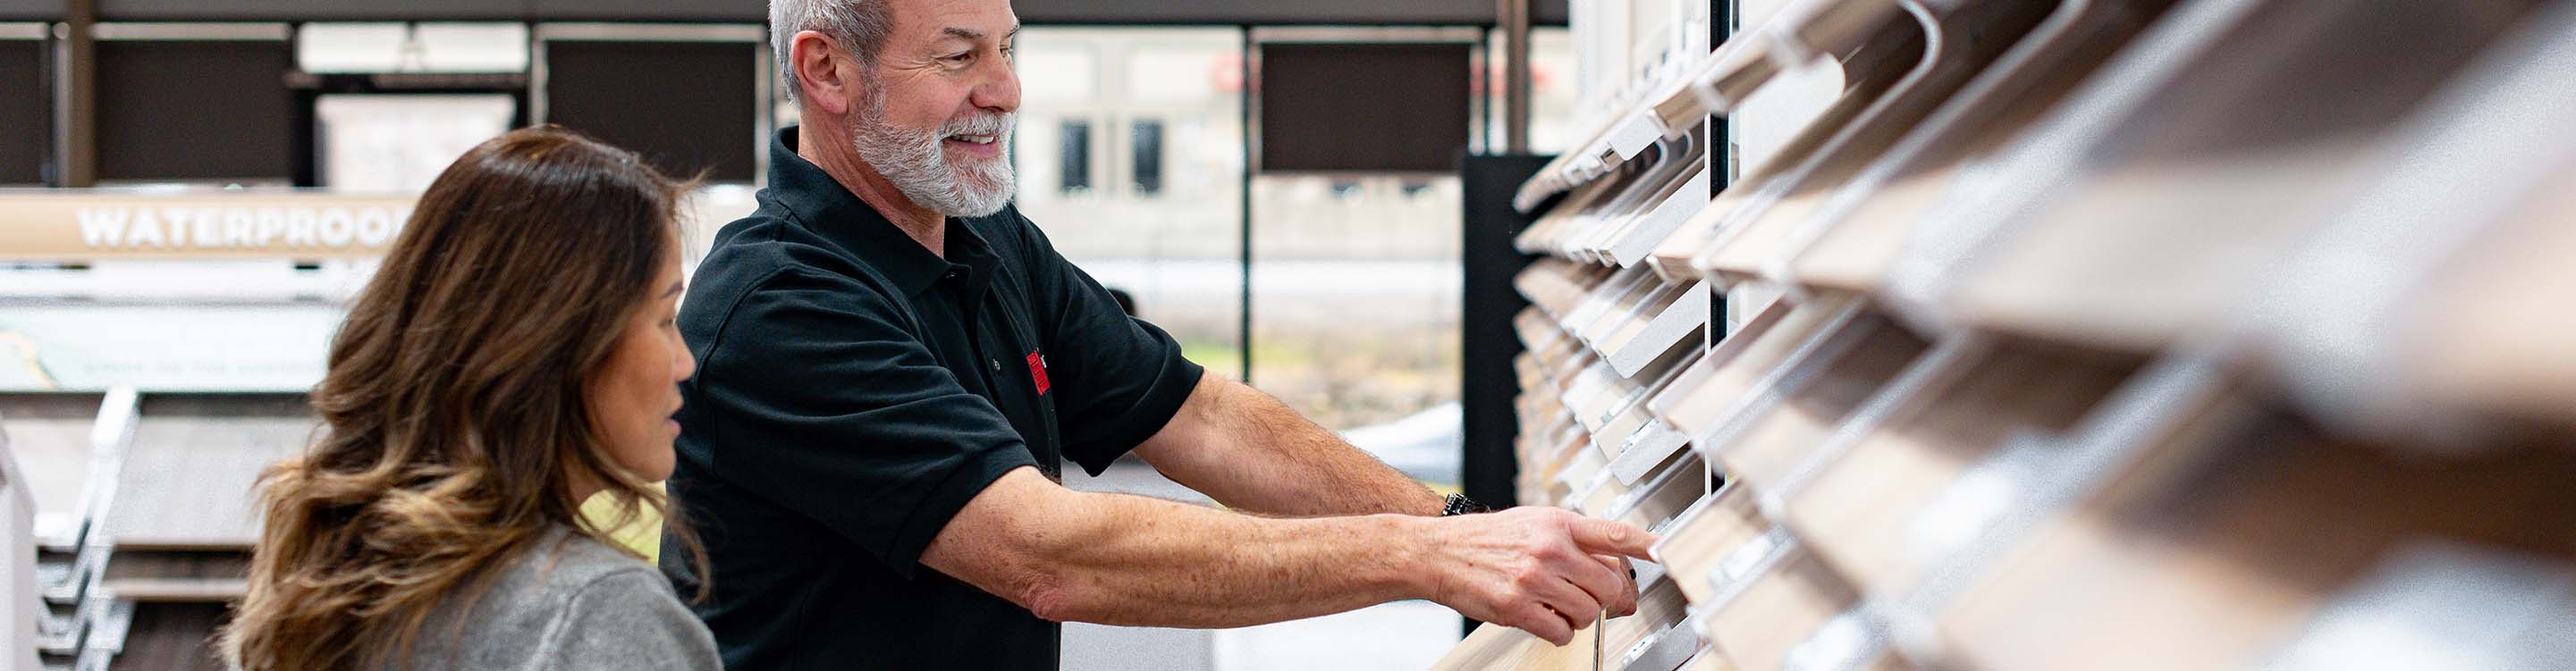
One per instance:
[(1656, 501), (1884, 508), (1790, 610), (1651, 227), (2496, 335), (1960, 42), (2114, 334), (1780, 425), (49, 433), (1730, 386), (2154, 214), (1612, 311), (1703, 535), (2414, 313), (1712, 84), (1867, 77), (1662, 322), (1613, 437), (1854, 238), (1647, 211), (185, 478), (1652, 444), (2229, 539)]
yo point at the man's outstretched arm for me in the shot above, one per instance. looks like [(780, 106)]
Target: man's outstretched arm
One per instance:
[(1127, 560), (1249, 451)]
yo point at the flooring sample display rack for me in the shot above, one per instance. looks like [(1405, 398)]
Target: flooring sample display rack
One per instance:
[(146, 388), (146, 516), (2152, 334)]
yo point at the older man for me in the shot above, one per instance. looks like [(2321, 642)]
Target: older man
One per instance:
[(893, 363)]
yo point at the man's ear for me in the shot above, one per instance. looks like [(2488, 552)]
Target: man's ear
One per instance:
[(827, 72)]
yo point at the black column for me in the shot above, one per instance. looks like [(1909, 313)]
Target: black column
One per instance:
[(1488, 383)]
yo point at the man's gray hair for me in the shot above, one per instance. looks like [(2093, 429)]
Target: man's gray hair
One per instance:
[(859, 25)]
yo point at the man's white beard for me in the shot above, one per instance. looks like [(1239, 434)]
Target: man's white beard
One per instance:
[(918, 166)]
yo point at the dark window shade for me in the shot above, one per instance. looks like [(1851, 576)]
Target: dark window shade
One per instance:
[(1363, 106), (26, 120), (1555, 12), (684, 106), (1073, 156), (31, 10), (310, 10), (1147, 141), (195, 110)]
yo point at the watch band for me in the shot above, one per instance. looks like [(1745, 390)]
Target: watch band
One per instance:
[(1459, 504)]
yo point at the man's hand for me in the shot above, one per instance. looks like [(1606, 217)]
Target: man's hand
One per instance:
[(1542, 570)]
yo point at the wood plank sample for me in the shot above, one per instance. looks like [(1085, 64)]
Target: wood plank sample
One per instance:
[(1704, 535), (49, 435), (1860, 240), (187, 477), (2493, 331), (2223, 542), (1885, 510), (1779, 610), (1699, 409), (1826, 387), (2179, 205), (1972, 37)]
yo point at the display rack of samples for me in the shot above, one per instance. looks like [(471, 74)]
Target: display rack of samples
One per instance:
[(155, 349), (2108, 334)]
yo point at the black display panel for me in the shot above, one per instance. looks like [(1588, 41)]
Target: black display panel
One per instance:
[(685, 106), (1365, 107), (26, 118), (173, 110)]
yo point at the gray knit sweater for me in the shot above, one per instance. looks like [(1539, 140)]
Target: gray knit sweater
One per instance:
[(569, 604)]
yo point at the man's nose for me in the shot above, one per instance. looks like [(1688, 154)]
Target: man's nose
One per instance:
[(1000, 90)]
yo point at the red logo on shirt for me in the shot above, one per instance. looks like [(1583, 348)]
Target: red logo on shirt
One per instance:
[(1037, 371)]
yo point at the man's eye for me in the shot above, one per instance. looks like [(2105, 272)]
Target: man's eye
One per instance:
[(960, 58)]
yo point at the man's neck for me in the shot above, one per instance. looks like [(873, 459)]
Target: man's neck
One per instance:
[(830, 149)]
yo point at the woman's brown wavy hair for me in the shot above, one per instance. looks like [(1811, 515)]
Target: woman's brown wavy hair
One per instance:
[(454, 418)]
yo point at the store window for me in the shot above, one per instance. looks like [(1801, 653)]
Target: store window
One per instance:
[(1073, 171), (1355, 271), (1163, 225), (1552, 90), (1147, 141), (394, 140), (1355, 296)]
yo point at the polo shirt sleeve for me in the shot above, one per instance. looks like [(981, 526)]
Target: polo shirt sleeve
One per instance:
[(821, 401), (1117, 379)]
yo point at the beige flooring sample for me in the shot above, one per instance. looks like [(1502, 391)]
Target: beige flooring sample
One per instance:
[(2219, 545), (188, 475), (1886, 509)]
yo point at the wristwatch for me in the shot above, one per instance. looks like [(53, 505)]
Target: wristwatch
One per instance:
[(1459, 504)]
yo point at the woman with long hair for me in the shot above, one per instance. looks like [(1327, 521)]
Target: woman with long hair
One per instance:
[(514, 355)]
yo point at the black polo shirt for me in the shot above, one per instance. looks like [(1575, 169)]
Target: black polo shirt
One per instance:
[(854, 390)]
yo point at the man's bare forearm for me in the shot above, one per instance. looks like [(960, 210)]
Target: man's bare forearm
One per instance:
[(1136, 561), (1251, 452), (1242, 571), (1126, 560)]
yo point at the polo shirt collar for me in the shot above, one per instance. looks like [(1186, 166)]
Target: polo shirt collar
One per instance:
[(822, 205)]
